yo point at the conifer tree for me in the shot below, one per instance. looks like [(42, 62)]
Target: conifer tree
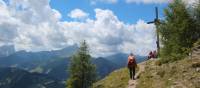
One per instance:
[(177, 31), (82, 71), (197, 19)]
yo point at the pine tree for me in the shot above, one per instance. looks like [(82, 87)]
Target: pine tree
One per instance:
[(197, 19), (82, 71), (177, 31)]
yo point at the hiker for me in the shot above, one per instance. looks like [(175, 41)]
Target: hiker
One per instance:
[(150, 55), (155, 54), (132, 65)]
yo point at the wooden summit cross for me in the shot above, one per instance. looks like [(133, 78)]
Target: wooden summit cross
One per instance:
[(156, 22)]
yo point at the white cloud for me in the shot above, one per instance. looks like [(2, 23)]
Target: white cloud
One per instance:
[(30, 25), (93, 2), (107, 35), (34, 26), (78, 14), (3, 11), (147, 1), (57, 14)]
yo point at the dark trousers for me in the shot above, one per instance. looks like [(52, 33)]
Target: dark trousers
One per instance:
[(132, 72)]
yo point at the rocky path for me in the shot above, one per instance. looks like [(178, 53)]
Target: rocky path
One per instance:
[(196, 52), (133, 83)]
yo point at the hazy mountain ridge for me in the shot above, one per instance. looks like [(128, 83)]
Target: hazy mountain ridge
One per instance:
[(29, 60), (6, 50), (55, 63), (120, 59), (17, 78), (104, 66)]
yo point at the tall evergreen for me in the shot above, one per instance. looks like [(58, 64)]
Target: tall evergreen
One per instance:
[(197, 18), (82, 71), (177, 31)]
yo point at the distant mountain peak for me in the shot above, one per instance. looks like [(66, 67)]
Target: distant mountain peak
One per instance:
[(6, 50)]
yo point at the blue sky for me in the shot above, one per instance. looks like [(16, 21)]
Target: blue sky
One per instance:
[(126, 12)]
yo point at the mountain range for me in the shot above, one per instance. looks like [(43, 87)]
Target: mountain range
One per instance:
[(6, 50), (17, 78), (54, 64)]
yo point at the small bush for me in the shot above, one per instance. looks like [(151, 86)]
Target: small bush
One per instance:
[(196, 43), (164, 60), (171, 58)]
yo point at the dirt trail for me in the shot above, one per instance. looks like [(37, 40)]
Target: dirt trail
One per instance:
[(132, 83), (196, 52)]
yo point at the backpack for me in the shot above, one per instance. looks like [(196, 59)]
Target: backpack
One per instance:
[(131, 62)]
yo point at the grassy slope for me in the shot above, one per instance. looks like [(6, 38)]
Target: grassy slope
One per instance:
[(117, 79), (180, 74)]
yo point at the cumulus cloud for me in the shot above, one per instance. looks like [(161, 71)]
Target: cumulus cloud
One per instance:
[(78, 14), (29, 25), (7, 32), (34, 26), (148, 1), (107, 34)]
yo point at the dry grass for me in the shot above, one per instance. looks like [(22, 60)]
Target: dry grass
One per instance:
[(180, 74)]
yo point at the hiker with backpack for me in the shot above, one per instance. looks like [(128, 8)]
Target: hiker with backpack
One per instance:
[(132, 65), (150, 55)]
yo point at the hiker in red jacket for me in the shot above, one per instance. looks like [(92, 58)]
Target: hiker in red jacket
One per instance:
[(132, 65), (150, 55)]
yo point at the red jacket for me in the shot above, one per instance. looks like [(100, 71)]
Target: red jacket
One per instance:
[(134, 64)]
